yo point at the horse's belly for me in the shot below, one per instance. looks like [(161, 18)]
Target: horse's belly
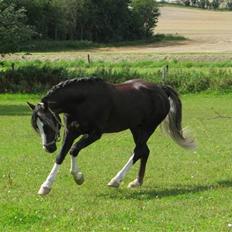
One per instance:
[(120, 122), (115, 127)]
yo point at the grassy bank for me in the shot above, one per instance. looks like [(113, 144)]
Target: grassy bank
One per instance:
[(185, 76)]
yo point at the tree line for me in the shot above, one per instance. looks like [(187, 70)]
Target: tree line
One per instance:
[(92, 20), (209, 4)]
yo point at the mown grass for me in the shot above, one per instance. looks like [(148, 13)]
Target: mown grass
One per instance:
[(183, 191), (186, 76)]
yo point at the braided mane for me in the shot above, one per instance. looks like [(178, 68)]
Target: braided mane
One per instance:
[(70, 83)]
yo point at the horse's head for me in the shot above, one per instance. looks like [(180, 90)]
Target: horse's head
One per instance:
[(47, 124)]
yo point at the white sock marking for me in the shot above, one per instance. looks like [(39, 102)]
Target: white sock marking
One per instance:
[(74, 166), (51, 177), (121, 174)]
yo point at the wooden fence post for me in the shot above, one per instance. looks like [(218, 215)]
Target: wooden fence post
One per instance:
[(165, 73), (89, 61), (13, 66)]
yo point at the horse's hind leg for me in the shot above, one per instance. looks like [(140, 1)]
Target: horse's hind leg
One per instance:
[(141, 151), (115, 182), (142, 154)]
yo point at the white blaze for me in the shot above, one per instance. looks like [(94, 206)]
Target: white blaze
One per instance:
[(41, 130)]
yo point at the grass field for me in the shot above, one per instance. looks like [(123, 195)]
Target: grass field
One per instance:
[(183, 191)]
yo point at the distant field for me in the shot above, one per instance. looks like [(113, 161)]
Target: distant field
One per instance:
[(183, 191), (208, 31), (209, 37)]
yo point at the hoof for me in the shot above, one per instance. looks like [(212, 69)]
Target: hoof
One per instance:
[(113, 183), (78, 177), (44, 190), (134, 184)]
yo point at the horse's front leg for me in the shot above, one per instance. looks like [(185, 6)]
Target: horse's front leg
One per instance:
[(69, 137), (75, 171), (76, 148)]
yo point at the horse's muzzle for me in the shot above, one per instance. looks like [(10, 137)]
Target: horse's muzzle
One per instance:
[(50, 148)]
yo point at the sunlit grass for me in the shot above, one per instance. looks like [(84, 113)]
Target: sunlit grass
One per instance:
[(182, 191)]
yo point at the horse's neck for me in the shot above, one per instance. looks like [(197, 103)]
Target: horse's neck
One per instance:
[(60, 100)]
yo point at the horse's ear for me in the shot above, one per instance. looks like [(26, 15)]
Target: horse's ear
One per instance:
[(31, 105), (44, 105)]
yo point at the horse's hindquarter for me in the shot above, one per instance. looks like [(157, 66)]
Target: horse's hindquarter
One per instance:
[(136, 104)]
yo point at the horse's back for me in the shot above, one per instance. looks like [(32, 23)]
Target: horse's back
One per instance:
[(139, 90), (137, 102)]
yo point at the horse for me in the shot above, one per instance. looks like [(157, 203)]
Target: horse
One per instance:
[(92, 106)]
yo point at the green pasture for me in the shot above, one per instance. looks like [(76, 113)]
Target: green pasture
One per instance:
[(183, 191)]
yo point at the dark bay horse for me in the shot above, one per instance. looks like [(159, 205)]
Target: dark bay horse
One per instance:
[(92, 107)]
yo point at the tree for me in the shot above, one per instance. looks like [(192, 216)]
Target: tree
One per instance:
[(93, 20), (229, 4), (13, 29), (146, 12), (215, 4), (109, 20)]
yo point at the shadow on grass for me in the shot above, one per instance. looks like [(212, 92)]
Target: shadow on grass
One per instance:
[(149, 194), (14, 110)]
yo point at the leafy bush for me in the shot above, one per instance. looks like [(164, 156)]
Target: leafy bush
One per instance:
[(13, 28), (31, 78), (187, 77), (146, 14)]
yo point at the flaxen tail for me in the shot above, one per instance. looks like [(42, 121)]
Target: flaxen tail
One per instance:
[(172, 123)]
